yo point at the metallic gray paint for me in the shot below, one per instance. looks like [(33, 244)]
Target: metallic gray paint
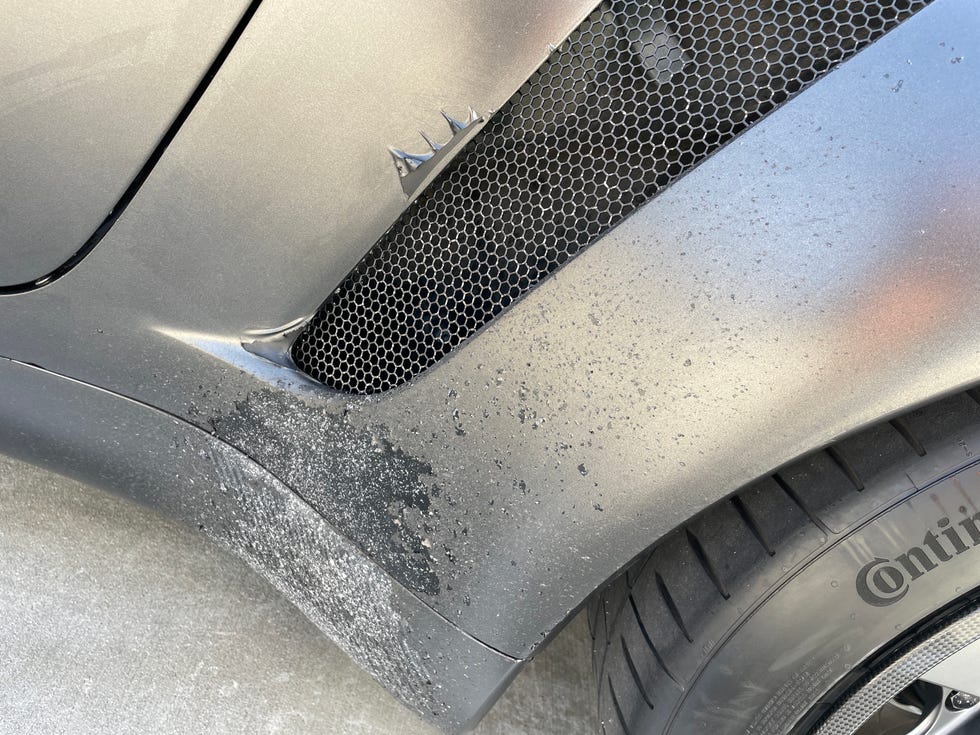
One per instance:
[(283, 169), (155, 458), (86, 92), (814, 276), (811, 278)]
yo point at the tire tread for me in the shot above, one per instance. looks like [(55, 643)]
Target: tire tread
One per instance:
[(659, 621)]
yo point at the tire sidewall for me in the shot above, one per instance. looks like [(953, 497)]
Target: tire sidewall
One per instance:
[(861, 591)]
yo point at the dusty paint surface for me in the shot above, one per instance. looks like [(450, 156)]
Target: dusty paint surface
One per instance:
[(730, 325), (163, 461), (373, 492), (132, 623), (810, 278)]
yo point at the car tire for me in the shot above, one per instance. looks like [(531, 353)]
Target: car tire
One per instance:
[(760, 614)]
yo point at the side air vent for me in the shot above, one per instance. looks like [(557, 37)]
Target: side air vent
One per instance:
[(638, 95)]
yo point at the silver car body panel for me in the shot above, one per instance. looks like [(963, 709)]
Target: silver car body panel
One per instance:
[(86, 91), (155, 458), (814, 276)]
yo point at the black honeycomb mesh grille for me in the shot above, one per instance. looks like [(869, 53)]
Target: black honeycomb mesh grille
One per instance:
[(639, 94)]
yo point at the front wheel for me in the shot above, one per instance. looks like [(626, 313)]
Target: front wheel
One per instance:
[(834, 597)]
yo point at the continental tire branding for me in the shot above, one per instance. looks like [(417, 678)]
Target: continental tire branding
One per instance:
[(882, 582)]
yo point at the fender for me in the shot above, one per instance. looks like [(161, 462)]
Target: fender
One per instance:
[(813, 277), (159, 460)]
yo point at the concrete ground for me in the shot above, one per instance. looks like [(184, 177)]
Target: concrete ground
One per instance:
[(115, 620)]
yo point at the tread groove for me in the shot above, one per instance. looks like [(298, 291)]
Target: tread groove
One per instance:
[(709, 568), (752, 524), (672, 606), (846, 467), (633, 672), (653, 648), (593, 620), (800, 504), (619, 712), (605, 623), (639, 569), (902, 427), (974, 393)]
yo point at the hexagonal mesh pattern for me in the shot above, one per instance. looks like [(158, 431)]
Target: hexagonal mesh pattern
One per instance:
[(639, 94)]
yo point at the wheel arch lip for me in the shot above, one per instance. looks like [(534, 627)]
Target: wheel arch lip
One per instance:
[(809, 279)]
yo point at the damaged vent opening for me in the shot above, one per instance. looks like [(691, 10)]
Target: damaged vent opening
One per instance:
[(638, 95)]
